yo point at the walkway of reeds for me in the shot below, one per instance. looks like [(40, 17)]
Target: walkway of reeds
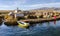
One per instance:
[(40, 20)]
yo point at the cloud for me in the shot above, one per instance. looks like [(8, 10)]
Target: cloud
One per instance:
[(22, 4), (34, 6), (11, 4), (43, 5)]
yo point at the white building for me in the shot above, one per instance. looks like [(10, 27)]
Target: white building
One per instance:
[(17, 13)]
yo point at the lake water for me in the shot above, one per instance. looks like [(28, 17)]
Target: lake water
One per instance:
[(39, 29)]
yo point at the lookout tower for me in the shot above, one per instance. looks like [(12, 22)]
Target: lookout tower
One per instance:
[(16, 11)]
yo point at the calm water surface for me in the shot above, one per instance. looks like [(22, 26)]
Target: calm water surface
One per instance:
[(39, 29)]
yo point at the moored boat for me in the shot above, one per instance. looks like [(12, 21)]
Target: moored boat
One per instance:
[(23, 24)]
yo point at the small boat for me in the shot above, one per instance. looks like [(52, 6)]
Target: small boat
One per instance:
[(23, 24)]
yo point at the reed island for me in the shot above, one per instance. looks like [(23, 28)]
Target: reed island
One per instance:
[(10, 17)]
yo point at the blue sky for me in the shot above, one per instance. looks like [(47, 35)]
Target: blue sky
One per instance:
[(27, 4)]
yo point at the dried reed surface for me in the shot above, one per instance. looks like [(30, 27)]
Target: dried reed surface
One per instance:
[(9, 20)]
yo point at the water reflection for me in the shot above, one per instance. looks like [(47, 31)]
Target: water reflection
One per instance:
[(55, 22), (39, 29), (46, 24)]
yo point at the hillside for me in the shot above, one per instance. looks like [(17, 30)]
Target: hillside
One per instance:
[(45, 9)]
